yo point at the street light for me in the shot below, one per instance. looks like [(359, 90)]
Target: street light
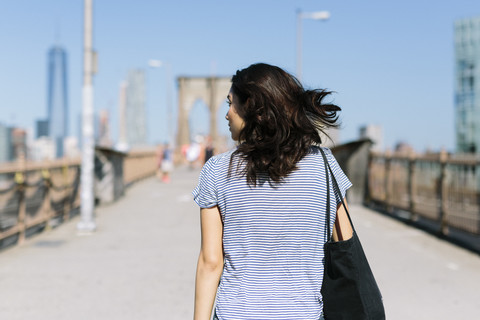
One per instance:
[(87, 220), (153, 63), (317, 15)]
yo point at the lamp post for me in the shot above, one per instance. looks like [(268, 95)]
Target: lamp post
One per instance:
[(317, 15), (158, 64), (87, 222)]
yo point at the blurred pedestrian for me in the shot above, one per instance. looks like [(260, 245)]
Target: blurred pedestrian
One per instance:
[(193, 154), (208, 149), (166, 163)]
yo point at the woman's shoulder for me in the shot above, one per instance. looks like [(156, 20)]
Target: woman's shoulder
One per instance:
[(316, 158), (317, 150), (222, 156)]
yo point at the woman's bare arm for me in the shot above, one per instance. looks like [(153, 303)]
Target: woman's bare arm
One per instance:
[(210, 262), (343, 229)]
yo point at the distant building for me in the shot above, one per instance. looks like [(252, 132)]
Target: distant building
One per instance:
[(70, 146), (122, 144), (41, 128), (57, 97), (467, 85), (330, 138), (374, 133), (18, 143), (104, 129), (333, 138), (13, 143), (403, 148), (43, 148), (5, 143), (136, 119)]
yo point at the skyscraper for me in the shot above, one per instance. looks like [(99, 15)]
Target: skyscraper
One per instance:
[(467, 84), (57, 102), (122, 143), (41, 128), (136, 122)]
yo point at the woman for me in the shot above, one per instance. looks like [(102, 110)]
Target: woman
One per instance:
[(263, 204)]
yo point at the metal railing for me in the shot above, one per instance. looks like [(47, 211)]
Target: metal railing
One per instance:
[(440, 187), (39, 195), (138, 165), (32, 194)]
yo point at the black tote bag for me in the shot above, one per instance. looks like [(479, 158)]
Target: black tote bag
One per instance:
[(349, 289)]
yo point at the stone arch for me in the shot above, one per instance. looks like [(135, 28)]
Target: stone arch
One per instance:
[(199, 118), (212, 90)]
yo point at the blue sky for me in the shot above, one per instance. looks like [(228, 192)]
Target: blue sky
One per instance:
[(390, 63)]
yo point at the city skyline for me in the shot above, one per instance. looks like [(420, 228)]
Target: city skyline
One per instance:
[(389, 64)]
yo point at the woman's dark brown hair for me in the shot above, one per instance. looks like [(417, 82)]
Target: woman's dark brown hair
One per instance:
[(282, 120)]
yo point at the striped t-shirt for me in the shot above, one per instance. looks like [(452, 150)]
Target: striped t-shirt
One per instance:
[(273, 237)]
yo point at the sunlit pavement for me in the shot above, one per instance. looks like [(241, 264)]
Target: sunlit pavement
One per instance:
[(140, 263)]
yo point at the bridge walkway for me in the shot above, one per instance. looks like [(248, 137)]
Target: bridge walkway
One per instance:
[(140, 263)]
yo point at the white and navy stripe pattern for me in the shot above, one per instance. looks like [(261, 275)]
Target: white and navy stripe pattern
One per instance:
[(273, 238)]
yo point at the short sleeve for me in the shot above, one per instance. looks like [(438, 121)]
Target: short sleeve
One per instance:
[(205, 194), (342, 180)]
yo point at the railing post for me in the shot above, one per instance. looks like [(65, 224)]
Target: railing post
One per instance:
[(66, 196), (20, 185), (388, 162), (411, 185), (442, 193), (368, 196), (47, 205)]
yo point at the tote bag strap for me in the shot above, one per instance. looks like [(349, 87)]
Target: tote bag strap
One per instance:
[(325, 162), (337, 190)]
